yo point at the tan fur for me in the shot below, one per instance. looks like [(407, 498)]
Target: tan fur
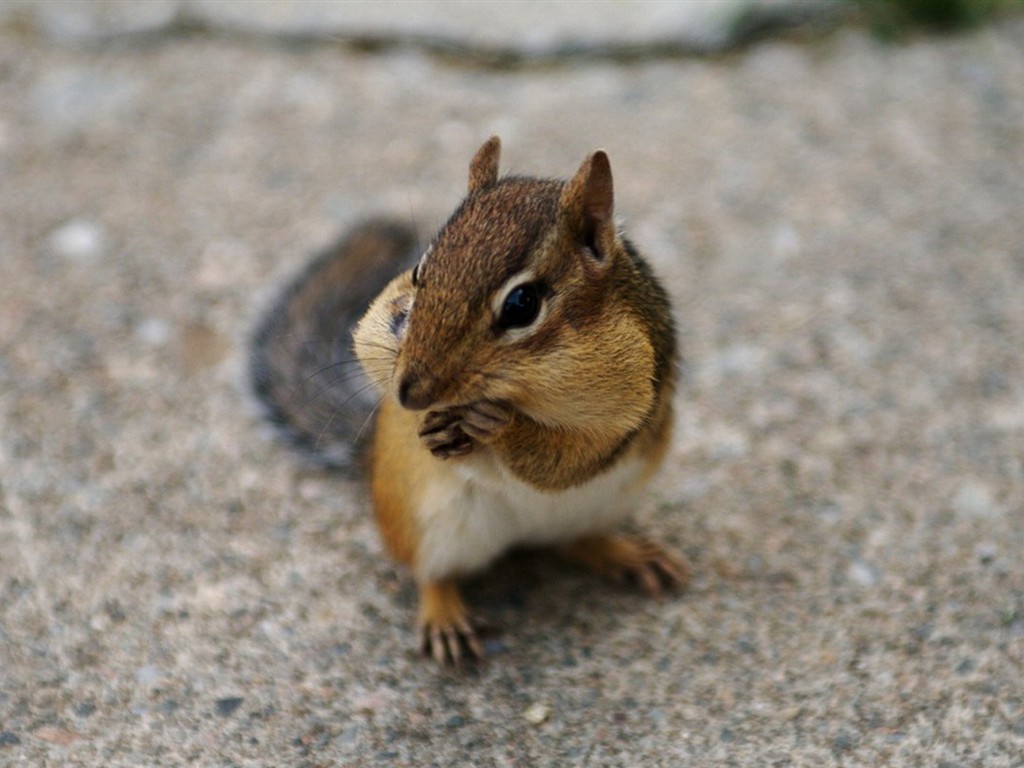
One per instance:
[(582, 394), (397, 469)]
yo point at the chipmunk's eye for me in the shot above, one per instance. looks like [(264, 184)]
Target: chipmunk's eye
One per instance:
[(521, 306), (416, 276)]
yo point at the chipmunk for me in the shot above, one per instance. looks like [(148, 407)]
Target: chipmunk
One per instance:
[(526, 364)]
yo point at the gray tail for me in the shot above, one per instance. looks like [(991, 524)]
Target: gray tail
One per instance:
[(302, 366)]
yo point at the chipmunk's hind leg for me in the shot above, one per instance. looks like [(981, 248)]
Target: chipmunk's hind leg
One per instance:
[(448, 633), (629, 558)]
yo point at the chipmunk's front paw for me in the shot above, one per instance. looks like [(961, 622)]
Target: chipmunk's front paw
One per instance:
[(443, 435), (483, 419), (452, 431)]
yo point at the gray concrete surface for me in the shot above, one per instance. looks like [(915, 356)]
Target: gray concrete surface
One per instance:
[(840, 223)]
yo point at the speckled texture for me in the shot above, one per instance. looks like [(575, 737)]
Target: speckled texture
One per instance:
[(840, 223)]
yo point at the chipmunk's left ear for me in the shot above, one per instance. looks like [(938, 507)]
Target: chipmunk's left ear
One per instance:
[(483, 169), (588, 204)]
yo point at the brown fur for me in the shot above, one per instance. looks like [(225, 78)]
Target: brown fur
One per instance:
[(609, 333), (483, 169), (556, 403)]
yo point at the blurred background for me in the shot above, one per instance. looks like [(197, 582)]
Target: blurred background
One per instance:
[(832, 192)]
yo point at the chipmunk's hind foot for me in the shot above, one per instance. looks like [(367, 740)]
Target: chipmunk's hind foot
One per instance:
[(448, 632), (630, 559)]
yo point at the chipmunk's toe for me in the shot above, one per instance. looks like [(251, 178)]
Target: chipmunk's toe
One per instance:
[(443, 435), (451, 644), (483, 419), (660, 570)]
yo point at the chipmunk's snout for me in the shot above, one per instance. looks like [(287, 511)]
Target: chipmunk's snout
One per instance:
[(416, 392)]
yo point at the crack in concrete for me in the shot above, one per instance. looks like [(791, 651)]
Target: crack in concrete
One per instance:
[(754, 24)]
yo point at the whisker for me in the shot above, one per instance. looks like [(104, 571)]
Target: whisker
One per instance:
[(317, 393), (334, 367), (343, 378), (338, 410), (368, 419), (327, 368), (306, 338)]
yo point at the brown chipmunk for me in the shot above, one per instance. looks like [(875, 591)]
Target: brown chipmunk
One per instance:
[(526, 364)]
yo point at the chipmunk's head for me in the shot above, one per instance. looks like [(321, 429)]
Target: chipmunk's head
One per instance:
[(519, 299)]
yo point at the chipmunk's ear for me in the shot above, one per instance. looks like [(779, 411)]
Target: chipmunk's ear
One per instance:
[(483, 169), (587, 205)]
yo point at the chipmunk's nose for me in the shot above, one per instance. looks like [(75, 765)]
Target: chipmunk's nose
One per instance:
[(415, 392)]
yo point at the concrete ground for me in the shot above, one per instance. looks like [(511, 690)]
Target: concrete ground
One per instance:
[(841, 224)]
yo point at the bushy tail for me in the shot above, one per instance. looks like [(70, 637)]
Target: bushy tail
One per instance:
[(302, 366)]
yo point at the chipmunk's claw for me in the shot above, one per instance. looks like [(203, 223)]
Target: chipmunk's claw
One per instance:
[(450, 644), (661, 572), (448, 634), (458, 445)]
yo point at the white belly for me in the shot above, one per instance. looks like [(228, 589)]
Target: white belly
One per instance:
[(475, 512)]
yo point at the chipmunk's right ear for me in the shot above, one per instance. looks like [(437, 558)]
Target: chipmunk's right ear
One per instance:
[(483, 170), (587, 207)]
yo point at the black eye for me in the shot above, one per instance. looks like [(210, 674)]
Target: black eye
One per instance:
[(521, 307), (415, 275)]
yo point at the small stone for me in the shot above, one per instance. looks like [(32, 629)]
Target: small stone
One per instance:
[(537, 713), (862, 574), (153, 331), (8, 739), (78, 240), (228, 706)]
